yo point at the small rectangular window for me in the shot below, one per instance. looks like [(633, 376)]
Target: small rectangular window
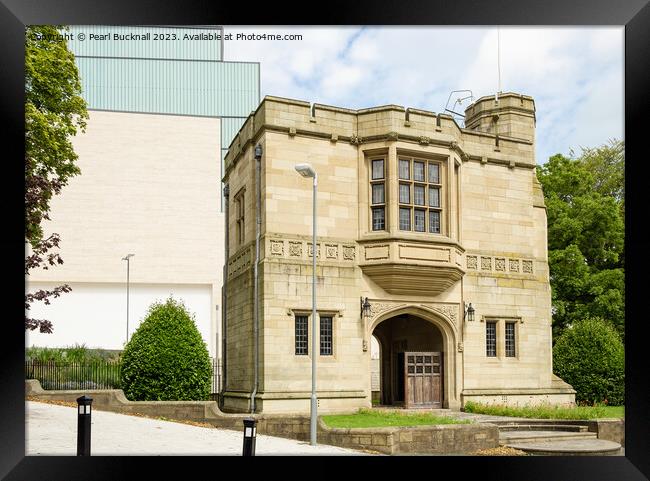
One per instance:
[(326, 336), (418, 194), (378, 193), (510, 339), (418, 219), (434, 173), (404, 169), (434, 222), (434, 197), (377, 169), (378, 218), (404, 218), (418, 171), (404, 194), (491, 339), (301, 336)]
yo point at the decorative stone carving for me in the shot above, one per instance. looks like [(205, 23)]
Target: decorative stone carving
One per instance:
[(377, 308), (392, 136), (486, 263), (499, 264), (460, 347), (514, 265), (292, 131), (424, 140), (527, 267), (472, 262), (334, 138), (355, 139), (348, 253), (450, 312), (295, 249), (331, 251), (310, 250), (277, 247), (453, 145)]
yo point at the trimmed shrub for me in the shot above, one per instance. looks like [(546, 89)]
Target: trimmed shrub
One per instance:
[(590, 356), (166, 358)]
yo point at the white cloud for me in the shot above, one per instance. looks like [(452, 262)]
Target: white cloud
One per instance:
[(574, 74)]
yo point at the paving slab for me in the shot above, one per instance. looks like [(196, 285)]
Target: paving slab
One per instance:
[(52, 430)]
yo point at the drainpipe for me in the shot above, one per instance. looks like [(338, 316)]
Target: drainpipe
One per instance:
[(256, 307), (224, 297)]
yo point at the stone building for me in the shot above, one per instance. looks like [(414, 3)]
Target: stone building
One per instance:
[(414, 213)]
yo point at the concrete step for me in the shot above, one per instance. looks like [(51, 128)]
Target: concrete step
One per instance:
[(569, 447), (543, 427), (542, 436)]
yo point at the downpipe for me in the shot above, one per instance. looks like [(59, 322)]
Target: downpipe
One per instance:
[(256, 308)]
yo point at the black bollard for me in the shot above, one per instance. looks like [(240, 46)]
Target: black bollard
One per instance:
[(84, 410), (250, 431)]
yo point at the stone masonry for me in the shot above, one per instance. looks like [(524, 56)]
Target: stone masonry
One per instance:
[(489, 249)]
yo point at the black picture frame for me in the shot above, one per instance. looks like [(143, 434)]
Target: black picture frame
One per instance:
[(633, 14)]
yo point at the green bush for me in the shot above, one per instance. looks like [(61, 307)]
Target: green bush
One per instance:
[(166, 358), (590, 356)]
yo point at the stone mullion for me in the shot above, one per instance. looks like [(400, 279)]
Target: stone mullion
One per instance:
[(392, 194)]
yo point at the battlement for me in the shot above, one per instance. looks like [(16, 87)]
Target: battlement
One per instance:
[(511, 114), (395, 122)]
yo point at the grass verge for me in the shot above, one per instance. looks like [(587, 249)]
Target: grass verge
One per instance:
[(367, 418), (547, 411)]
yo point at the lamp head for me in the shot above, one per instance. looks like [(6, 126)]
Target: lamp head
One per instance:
[(258, 151), (306, 170), (127, 257)]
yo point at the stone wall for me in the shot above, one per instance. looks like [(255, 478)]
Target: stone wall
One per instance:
[(443, 439)]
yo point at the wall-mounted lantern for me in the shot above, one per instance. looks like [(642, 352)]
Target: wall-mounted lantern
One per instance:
[(365, 307), (469, 312)]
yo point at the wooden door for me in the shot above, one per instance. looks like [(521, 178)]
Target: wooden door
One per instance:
[(423, 379)]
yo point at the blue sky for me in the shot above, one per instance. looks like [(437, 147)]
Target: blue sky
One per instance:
[(575, 74)]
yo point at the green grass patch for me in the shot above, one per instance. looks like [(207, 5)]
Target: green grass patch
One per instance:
[(547, 411), (368, 418)]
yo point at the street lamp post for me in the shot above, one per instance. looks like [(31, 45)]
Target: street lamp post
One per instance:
[(307, 170), (127, 259)]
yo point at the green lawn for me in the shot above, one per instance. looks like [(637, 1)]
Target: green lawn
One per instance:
[(367, 418), (548, 412)]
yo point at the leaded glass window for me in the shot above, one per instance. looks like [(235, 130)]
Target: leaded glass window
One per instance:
[(422, 190), (491, 339), (301, 336), (510, 339), (326, 336), (378, 194)]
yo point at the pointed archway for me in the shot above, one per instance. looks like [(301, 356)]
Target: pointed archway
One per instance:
[(413, 329)]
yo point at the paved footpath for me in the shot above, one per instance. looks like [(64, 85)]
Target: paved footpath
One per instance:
[(52, 430)]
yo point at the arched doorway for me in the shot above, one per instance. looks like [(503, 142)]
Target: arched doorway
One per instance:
[(413, 353)]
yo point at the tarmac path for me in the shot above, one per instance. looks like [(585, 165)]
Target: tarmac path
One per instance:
[(52, 430)]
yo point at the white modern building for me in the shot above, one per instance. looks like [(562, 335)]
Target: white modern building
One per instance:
[(162, 115)]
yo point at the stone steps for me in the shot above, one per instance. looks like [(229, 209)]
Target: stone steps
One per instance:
[(506, 437), (543, 427), (569, 447)]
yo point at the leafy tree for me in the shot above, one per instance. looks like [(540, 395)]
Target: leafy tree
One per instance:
[(54, 111), (166, 359), (585, 206), (590, 356)]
